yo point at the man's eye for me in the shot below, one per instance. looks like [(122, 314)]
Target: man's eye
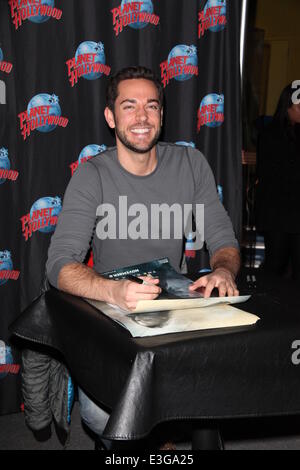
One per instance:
[(154, 107), (128, 107)]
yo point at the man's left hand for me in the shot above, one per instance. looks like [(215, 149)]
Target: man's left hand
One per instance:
[(220, 278)]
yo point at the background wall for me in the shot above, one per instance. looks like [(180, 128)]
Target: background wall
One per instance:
[(55, 58)]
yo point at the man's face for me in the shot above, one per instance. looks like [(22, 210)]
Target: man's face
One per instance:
[(137, 115)]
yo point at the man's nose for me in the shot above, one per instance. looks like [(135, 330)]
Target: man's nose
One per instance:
[(141, 114)]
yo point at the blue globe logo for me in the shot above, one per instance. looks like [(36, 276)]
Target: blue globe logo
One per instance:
[(90, 151), (214, 99), (43, 99), (47, 203), (90, 47), (1, 55), (216, 3), (190, 243), (5, 264), (42, 18), (220, 192), (4, 162), (190, 52), (146, 7), (6, 357), (186, 144)]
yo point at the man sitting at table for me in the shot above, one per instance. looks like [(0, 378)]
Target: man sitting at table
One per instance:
[(107, 191)]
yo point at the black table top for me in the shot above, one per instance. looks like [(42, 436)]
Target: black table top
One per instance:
[(224, 373)]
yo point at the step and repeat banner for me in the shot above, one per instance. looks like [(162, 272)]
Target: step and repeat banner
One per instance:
[(55, 59)]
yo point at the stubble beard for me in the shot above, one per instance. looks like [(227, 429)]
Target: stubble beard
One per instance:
[(130, 146)]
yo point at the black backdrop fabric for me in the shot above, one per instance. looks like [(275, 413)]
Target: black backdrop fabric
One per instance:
[(55, 59)]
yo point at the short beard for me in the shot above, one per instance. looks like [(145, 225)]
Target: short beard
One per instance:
[(131, 147)]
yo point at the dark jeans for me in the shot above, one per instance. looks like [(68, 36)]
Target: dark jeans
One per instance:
[(93, 416), (282, 250)]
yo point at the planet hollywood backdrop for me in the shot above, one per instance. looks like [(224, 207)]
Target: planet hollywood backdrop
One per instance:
[(55, 59)]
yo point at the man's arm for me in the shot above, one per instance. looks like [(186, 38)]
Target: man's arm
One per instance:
[(227, 259), (71, 241), (80, 280), (225, 264), (218, 233)]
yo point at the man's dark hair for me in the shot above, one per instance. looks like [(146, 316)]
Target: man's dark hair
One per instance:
[(129, 73)]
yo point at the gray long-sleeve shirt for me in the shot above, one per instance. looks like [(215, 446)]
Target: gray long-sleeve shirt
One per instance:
[(117, 213)]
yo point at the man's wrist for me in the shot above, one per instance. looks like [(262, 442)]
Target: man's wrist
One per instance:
[(226, 260), (105, 288), (225, 269)]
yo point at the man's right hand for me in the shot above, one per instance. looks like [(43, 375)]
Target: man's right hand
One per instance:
[(126, 293)]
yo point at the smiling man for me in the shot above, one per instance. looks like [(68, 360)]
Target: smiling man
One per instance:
[(136, 118), (148, 174)]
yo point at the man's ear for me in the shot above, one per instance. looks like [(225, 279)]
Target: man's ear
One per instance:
[(110, 119)]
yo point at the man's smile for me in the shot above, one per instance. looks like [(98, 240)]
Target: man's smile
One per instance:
[(141, 130)]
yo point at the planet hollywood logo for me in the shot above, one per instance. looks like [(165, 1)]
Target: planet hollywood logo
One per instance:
[(211, 111), (86, 154), (136, 15), (182, 64), (5, 67), (212, 17), (43, 114), (89, 62), (42, 217), (7, 272), (7, 365), (36, 11), (189, 250), (5, 172)]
